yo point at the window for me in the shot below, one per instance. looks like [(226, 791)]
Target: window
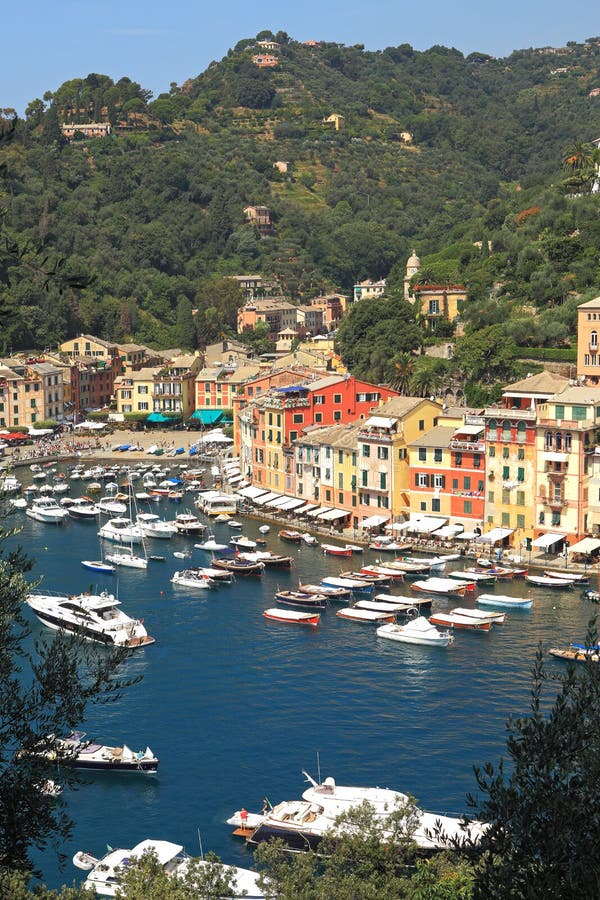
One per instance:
[(365, 477), (437, 455), (468, 507), (505, 473), (382, 453), (298, 418), (579, 413), (337, 416), (556, 517), (506, 433), (143, 405), (421, 480), (520, 521), (435, 505), (594, 340), (559, 411), (142, 389), (422, 454), (421, 424), (542, 518), (586, 359), (340, 498), (366, 450), (340, 457), (520, 474), (476, 460), (505, 496), (458, 459), (383, 481), (341, 481), (455, 484), (439, 481), (319, 399), (490, 496), (521, 432), (492, 430), (328, 495), (521, 453), (520, 498), (505, 453), (293, 436), (337, 398), (318, 417), (467, 484), (506, 520), (492, 451)]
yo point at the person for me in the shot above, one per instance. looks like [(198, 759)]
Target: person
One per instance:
[(499, 554), (265, 806), (244, 817)]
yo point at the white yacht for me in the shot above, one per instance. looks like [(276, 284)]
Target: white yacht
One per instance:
[(112, 506), (83, 508), (186, 523), (105, 873), (127, 559), (46, 509), (155, 527), (95, 617), (9, 484), (122, 531), (301, 824)]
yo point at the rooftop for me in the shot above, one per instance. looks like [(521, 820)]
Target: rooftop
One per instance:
[(439, 436), (546, 383)]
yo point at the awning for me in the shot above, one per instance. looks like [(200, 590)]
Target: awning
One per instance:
[(233, 479), (280, 502), (334, 514), (547, 540), (426, 525), (399, 526), (587, 545), (260, 501), (91, 426), (373, 521), (207, 416), (251, 492), (275, 501), (318, 511), (468, 536), (158, 418), (379, 422), (498, 534), (470, 429), (306, 508), (448, 531), (553, 456), (291, 503)]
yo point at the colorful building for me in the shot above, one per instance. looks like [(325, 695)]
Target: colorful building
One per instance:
[(588, 346)]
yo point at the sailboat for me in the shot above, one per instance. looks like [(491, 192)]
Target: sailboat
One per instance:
[(98, 565), (127, 558)]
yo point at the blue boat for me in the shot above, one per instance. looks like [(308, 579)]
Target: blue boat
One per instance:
[(96, 565)]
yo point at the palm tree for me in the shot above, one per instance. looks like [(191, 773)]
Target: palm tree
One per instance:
[(404, 366), (578, 157), (427, 378)]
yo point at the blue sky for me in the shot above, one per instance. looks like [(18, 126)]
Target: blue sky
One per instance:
[(156, 42)]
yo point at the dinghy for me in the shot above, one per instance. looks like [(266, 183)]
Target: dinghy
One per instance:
[(292, 617)]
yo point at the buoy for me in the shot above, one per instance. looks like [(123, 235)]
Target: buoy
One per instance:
[(162, 593)]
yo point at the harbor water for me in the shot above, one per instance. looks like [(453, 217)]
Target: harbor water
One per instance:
[(236, 706)]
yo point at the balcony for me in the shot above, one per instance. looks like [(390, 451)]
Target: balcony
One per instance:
[(377, 434), (472, 446), (515, 415), (554, 502)]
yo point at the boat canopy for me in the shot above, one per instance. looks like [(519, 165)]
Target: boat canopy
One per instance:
[(165, 850)]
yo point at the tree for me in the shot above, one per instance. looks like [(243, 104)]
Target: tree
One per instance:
[(62, 677), (428, 376), (486, 356), (185, 327), (404, 366), (148, 880), (543, 809)]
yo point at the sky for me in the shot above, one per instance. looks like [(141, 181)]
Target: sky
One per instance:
[(156, 43)]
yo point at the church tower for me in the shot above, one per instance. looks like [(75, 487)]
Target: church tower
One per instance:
[(412, 267)]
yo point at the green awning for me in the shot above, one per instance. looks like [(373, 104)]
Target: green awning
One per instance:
[(208, 416)]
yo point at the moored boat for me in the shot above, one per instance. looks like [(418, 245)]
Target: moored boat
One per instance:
[(335, 550), (575, 654), (574, 577), (270, 560), (94, 617), (79, 752), (127, 560), (365, 616), (46, 509), (416, 631), (292, 537), (332, 593), (455, 620), (552, 583), (445, 587), (97, 565), (481, 615), (292, 616), (502, 600), (419, 602), (473, 574), (387, 571), (300, 599), (238, 566), (192, 578), (353, 584), (380, 606)]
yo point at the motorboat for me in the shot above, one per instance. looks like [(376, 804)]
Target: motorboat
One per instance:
[(577, 653), (388, 545), (238, 566), (18, 502), (240, 542), (380, 606), (122, 531), (220, 576), (409, 568), (553, 583), (270, 560), (292, 616), (94, 617), (105, 873), (502, 600), (481, 615), (456, 620), (9, 484), (192, 578), (370, 577), (300, 599), (445, 587), (309, 539), (232, 523), (479, 576), (387, 571), (84, 509), (365, 616), (46, 509), (211, 545), (98, 565), (416, 631), (111, 506), (417, 603), (335, 550), (567, 576), (186, 523), (154, 527), (264, 529), (80, 752), (301, 824), (127, 560), (332, 593), (353, 584), (292, 537)]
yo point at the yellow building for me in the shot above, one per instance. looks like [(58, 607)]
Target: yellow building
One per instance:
[(588, 351), (430, 458), (88, 345), (439, 301), (133, 392)]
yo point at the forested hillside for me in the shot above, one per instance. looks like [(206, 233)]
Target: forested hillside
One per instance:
[(144, 223)]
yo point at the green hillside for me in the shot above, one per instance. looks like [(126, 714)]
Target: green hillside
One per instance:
[(113, 235)]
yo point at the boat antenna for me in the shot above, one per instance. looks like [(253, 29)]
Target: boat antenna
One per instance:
[(200, 845), (318, 767)]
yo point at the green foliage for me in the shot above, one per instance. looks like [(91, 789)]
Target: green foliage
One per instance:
[(551, 354), (373, 332)]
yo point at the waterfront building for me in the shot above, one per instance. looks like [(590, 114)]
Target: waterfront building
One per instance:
[(588, 347), (133, 391)]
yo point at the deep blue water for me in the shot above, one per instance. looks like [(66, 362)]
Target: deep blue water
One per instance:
[(236, 706)]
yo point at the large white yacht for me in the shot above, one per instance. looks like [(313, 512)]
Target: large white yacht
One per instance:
[(122, 531), (153, 526), (46, 509), (95, 617), (83, 508)]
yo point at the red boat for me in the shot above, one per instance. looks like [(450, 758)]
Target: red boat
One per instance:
[(333, 550), (292, 617)]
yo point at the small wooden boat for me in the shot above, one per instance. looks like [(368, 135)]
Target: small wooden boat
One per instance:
[(292, 617), (309, 539), (369, 577), (388, 546), (379, 606), (417, 631), (560, 584), (356, 548), (409, 568), (332, 593), (242, 543), (292, 537), (473, 574), (364, 616), (270, 560), (496, 618), (409, 602), (238, 566), (452, 620), (353, 584), (298, 598), (574, 654), (445, 587), (387, 571), (333, 550), (501, 600), (567, 576), (264, 529)]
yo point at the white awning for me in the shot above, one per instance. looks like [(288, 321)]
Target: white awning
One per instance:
[(468, 536), (317, 511), (379, 422), (426, 524), (469, 429), (233, 479), (307, 507), (546, 540), (276, 501), (334, 514), (498, 534), (587, 545), (399, 526), (252, 492), (290, 503), (553, 456), (271, 495), (448, 531), (373, 521)]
